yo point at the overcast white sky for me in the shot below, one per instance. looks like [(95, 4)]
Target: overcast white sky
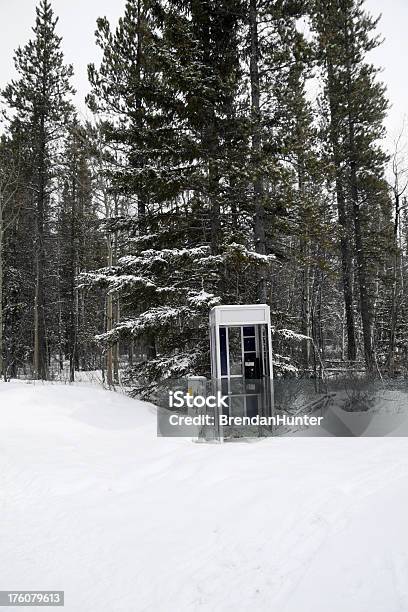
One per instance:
[(77, 26)]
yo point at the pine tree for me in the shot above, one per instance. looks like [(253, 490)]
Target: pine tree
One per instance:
[(178, 113), (10, 209), (357, 106), (76, 228), (171, 129), (17, 222), (39, 98)]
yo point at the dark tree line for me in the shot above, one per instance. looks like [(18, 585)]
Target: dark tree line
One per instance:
[(232, 159)]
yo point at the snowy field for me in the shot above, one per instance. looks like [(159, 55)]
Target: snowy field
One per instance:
[(93, 503)]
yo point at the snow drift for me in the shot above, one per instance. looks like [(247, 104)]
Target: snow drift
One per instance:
[(92, 502)]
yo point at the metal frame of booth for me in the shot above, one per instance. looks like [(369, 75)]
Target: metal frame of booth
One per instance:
[(241, 360)]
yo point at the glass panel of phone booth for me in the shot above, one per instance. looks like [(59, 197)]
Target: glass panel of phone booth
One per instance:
[(235, 351), (244, 352)]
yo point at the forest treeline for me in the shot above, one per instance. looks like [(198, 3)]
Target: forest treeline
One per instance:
[(235, 155)]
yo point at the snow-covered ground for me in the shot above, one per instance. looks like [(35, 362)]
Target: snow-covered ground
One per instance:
[(93, 503)]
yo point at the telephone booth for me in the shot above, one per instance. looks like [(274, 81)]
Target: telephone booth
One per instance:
[(241, 358), (241, 344)]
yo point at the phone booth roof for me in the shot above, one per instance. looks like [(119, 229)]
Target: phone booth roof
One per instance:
[(248, 314)]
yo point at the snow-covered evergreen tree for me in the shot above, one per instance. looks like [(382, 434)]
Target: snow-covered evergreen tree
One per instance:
[(40, 100)]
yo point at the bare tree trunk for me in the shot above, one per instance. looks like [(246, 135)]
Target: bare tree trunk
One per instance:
[(305, 254), (344, 222), (2, 369), (362, 269), (363, 278), (116, 306), (73, 269), (109, 322), (394, 290), (36, 356), (214, 200), (82, 326), (8, 191), (365, 305), (116, 349), (306, 328), (131, 351), (60, 336), (40, 344), (258, 185)]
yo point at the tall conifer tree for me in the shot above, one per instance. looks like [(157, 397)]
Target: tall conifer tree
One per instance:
[(40, 98), (357, 106)]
